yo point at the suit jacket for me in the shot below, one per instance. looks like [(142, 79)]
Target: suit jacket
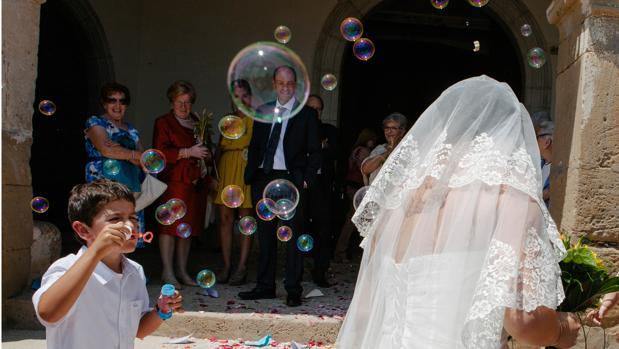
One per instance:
[(301, 146)]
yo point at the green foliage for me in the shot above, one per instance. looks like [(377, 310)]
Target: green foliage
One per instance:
[(585, 278)]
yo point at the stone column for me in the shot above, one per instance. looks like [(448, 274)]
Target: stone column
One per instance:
[(20, 42), (585, 169)]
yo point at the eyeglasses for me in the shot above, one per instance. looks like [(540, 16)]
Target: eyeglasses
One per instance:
[(180, 103), (289, 84), (110, 100), (389, 128), (544, 134)]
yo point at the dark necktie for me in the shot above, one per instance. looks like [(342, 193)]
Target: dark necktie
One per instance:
[(269, 154)]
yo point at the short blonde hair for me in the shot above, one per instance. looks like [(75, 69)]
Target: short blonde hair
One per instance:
[(181, 87)]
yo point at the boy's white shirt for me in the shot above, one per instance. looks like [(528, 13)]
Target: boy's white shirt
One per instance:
[(106, 314)]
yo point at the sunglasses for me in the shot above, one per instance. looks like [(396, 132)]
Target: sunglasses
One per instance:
[(110, 100)]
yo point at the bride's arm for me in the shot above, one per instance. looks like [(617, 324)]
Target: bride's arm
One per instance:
[(542, 327)]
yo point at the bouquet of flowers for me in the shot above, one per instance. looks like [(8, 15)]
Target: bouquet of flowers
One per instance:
[(584, 276), (585, 279), (204, 129)]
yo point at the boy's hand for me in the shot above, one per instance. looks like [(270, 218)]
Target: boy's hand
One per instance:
[(111, 238), (175, 302)]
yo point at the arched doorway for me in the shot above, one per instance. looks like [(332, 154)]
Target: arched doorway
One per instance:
[(419, 52), (73, 62)]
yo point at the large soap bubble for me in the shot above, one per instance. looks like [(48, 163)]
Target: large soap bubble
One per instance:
[(258, 64), (283, 195)]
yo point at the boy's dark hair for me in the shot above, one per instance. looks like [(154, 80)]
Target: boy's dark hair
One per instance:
[(86, 200)]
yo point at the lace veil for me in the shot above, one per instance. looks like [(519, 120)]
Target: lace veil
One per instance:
[(455, 229)]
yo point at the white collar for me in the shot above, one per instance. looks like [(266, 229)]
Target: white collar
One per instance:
[(289, 105)]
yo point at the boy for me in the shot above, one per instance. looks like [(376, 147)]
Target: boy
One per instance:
[(97, 298)]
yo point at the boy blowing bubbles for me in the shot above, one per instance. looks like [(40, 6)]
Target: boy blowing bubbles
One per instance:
[(97, 298)]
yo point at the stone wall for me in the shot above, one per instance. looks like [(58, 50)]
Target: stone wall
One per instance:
[(585, 170), (20, 31)]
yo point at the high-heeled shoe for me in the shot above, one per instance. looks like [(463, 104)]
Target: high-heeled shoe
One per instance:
[(239, 277), (185, 279), (171, 279)]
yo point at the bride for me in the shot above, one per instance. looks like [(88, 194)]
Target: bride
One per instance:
[(459, 249)]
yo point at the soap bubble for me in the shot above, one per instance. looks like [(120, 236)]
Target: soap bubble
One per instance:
[(256, 64), (351, 29), (475, 46), (328, 82), (536, 57), (47, 107), (206, 278), (363, 49), (39, 204), (111, 167), (231, 127), (263, 211), (287, 216), (439, 4), (153, 160), (178, 208), (247, 225), (369, 200), (478, 3), (305, 243), (359, 195), (232, 196), (282, 34), (526, 30), (183, 230), (283, 195), (163, 214), (284, 233)]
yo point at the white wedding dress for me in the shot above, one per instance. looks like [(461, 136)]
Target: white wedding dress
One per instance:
[(455, 229)]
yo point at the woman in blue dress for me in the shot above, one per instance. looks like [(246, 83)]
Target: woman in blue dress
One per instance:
[(113, 145)]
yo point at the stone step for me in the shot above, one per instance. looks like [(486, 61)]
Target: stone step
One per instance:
[(283, 328)]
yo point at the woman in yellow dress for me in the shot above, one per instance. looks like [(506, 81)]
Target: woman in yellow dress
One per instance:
[(231, 167)]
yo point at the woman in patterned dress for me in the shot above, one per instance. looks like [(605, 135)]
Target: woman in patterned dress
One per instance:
[(113, 145)]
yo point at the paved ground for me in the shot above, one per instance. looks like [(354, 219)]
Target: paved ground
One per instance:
[(334, 303)]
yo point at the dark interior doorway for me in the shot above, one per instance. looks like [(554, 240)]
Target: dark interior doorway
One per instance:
[(420, 51), (58, 155)]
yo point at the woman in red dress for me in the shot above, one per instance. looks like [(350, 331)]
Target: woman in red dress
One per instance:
[(185, 175)]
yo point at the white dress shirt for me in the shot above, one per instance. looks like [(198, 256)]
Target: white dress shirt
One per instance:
[(279, 161), (107, 312)]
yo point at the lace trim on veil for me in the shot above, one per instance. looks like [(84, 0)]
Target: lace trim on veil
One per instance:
[(404, 171)]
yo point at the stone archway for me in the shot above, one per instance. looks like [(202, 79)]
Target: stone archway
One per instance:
[(537, 84), (99, 62)]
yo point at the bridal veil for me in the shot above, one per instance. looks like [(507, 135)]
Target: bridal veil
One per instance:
[(454, 229)]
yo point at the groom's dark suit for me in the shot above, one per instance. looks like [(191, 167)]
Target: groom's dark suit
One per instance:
[(302, 153)]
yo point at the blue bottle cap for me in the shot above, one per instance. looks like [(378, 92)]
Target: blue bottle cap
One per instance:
[(167, 290)]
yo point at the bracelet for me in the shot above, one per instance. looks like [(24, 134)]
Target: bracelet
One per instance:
[(162, 315)]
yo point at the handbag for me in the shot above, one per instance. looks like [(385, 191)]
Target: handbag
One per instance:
[(152, 188)]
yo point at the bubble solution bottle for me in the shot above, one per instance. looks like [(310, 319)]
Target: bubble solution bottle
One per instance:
[(167, 292)]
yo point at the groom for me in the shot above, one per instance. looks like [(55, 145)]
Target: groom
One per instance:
[(288, 149)]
